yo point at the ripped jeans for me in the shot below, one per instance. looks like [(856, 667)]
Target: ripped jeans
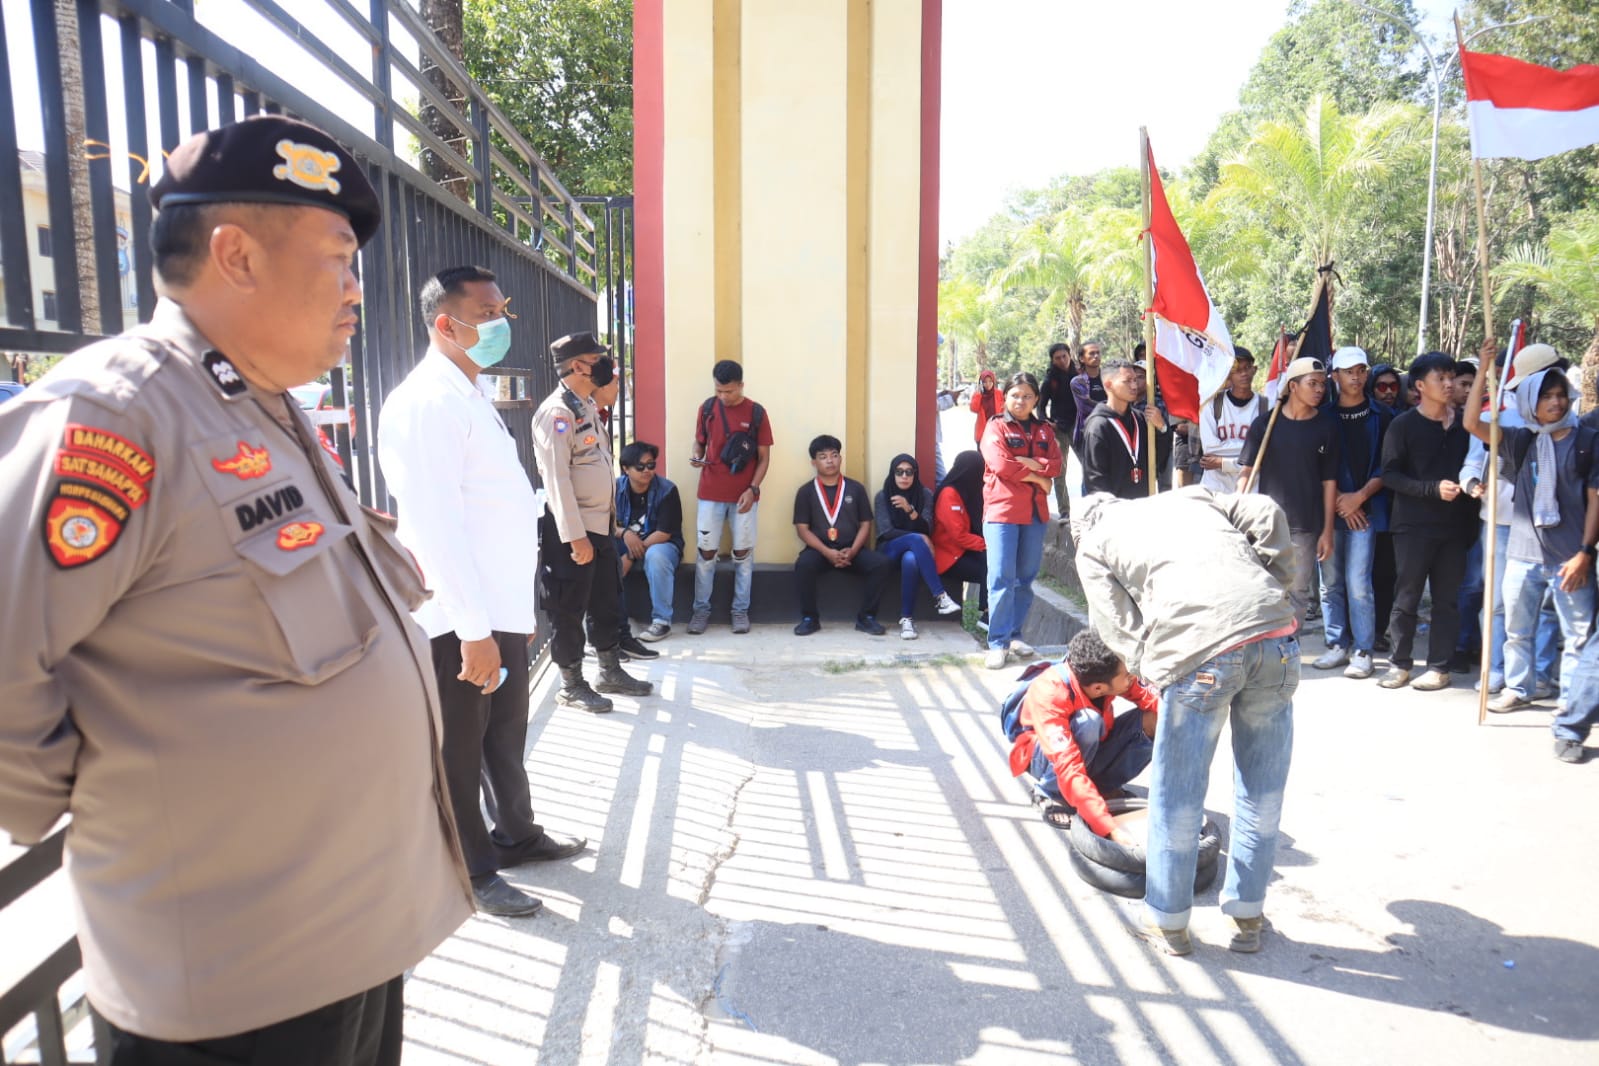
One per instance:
[(712, 518)]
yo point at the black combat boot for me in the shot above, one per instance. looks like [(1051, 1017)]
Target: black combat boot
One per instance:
[(575, 692), (614, 679)]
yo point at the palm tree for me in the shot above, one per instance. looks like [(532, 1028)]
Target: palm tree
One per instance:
[(1310, 178), (1057, 254), (1566, 271), (964, 314)]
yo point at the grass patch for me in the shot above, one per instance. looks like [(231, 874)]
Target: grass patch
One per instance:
[(1056, 585), (898, 662)]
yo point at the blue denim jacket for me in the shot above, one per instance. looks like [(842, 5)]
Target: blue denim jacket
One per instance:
[(652, 505)]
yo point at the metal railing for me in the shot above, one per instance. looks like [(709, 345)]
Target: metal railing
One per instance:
[(457, 184)]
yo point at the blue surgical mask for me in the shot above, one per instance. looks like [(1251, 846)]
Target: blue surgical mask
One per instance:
[(493, 341)]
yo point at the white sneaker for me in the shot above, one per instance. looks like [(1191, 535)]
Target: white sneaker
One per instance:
[(1331, 659), (907, 629), (1359, 665), (997, 658), (947, 605), (1021, 649)]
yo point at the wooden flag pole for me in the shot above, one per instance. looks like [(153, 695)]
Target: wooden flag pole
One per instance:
[(1492, 481), (1149, 300)]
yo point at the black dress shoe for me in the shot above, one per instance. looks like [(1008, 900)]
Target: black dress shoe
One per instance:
[(547, 847), (807, 626), (867, 623), (631, 648), (495, 896)]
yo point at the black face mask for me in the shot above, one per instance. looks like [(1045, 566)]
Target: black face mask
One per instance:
[(603, 372)]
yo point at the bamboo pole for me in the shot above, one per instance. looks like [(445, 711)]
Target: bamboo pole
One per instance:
[(1149, 300), (1489, 566)]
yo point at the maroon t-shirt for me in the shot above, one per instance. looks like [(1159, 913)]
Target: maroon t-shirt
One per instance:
[(717, 483)]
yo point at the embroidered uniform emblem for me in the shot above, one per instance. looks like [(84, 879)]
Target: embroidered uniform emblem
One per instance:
[(224, 374), (89, 440), (245, 464), (297, 535), (307, 166), (560, 425), (77, 532), (590, 439)]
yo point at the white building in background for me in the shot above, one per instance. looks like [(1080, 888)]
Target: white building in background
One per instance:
[(44, 249)]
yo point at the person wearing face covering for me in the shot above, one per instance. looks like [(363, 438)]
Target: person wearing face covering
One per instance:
[(452, 465), (578, 564), (903, 512), (1553, 525)]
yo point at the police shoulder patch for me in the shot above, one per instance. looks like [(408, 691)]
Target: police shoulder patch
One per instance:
[(78, 529)]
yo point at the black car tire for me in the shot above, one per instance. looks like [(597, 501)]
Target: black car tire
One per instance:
[(1119, 869)]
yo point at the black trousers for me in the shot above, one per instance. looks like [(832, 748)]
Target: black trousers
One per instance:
[(972, 568), (1427, 559), (1383, 578), (574, 594), (363, 1030), (485, 742), (869, 564)]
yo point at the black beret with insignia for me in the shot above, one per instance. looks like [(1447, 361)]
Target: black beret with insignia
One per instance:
[(269, 159), (574, 346)]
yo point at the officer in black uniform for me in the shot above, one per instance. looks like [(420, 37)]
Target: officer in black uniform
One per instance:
[(578, 556)]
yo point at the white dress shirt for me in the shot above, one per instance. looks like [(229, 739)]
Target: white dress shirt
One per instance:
[(467, 510)]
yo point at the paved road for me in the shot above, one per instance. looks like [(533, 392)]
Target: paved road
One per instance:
[(802, 861)]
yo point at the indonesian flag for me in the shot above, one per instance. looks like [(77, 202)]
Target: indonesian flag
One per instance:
[(1279, 363), (1192, 346), (1519, 110)]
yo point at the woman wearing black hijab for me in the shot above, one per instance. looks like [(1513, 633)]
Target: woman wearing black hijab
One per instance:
[(959, 551), (904, 523)]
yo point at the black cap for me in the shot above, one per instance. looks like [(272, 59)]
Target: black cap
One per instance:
[(269, 159), (574, 345)]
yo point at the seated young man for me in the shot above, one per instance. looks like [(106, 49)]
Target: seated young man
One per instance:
[(650, 514), (1068, 738), (833, 517)]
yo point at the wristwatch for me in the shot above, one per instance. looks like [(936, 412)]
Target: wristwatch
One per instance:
[(1592, 550), (757, 490)]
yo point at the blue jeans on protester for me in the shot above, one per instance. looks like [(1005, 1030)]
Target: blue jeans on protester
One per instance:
[(1015, 553), (1547, 644), (1348, 605), (1111, 762), (914, 558), (660, 570), (1524, 589), (710, 518), (1470, 599), (1254, 687), (1581, 711)]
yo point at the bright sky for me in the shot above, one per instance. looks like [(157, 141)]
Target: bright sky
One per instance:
[(1034, 89)]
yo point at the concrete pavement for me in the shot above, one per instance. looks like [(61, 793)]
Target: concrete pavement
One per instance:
[(810, 851)]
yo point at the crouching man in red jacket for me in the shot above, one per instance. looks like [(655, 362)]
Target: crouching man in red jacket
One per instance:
[(1066, 735)]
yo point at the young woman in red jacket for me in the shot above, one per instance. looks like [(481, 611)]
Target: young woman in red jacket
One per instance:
[(986, 402), (959, 552), (1023, 458)]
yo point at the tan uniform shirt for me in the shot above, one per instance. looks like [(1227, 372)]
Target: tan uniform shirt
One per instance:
[(573, 451), (206, 658)]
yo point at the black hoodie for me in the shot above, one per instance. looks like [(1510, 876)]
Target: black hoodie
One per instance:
[(1108, 465)]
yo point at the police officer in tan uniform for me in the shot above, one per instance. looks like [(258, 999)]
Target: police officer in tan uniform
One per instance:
[(579, 565), (209, 660)]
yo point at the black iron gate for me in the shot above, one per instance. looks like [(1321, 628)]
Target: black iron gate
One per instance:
[(125, 81)]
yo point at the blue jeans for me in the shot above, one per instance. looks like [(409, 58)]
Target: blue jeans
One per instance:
[(1524, 589), (1348, 605), (1470, 599), (1253, 686), (1581, 711), (1015, 553), (712, 516), (660, 570), (913, 556), (1111, 762)]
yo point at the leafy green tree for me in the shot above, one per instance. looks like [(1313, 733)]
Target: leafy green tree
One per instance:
[(1057, 256), (1564, 270), (1334, 49), (562, 71)]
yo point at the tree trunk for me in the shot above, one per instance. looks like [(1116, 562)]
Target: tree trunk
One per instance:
[(78, 166), (1590, 370), (444, 17)]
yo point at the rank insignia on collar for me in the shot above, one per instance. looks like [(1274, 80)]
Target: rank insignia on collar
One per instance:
[(297, 535), (307, 166), (224, 374), (77, 531), (247, 463)]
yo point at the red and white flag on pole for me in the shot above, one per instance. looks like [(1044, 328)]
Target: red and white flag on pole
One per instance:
[(1191, 340), (1519, 110), (1279, 363)]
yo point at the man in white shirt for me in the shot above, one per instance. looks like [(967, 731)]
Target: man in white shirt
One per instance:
[(1224, 423), (452, 465)]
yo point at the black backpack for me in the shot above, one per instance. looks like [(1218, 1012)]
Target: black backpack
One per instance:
[(741, 447)]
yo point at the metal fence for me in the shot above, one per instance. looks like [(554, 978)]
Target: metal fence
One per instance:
[(128, 80)]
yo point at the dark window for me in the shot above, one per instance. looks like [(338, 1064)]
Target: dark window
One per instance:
[(50, 310), (44, 242)]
